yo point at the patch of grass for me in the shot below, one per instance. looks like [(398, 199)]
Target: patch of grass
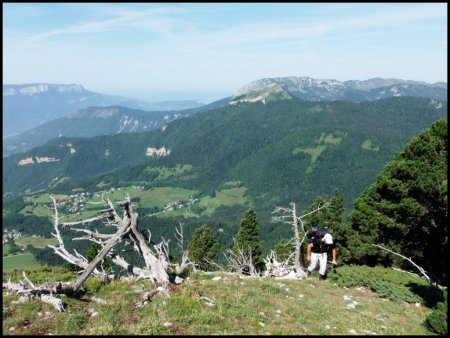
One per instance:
[(25, 318), (19, 262), (315, 109), (37, 242), (395, 285), (332, 138), (103, 184), (314, 152), (6, 249), (45, 198), (367, 145), (43, 274), (231, 184), (165, 172), (230, 306), (36, 209), (75, 190), (227, 197), (73, 321)]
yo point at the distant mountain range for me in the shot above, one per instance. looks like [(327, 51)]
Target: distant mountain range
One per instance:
[(58, 105), (311, 89), (94, 121), (26, 106)]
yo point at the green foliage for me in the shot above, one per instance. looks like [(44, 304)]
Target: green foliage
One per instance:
[(253, 143), (387, 283), (43, 274), (284, 249), (30, 225), (203, 246), (329, 217), (406, 208), (92, 252), (437, 321), (247, 238)]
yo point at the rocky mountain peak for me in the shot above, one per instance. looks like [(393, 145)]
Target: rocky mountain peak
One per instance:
[(311, 89), (37, 88), (261, 92)]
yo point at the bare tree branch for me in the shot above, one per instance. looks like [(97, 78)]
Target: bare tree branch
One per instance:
[(156, 260), (86, 221), (421, 270), (274, 268), (289, 216), (241, 261), (61, 251), (185, 261)]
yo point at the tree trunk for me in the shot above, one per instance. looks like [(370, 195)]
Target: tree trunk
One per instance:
[(123, 230), (298, 265)]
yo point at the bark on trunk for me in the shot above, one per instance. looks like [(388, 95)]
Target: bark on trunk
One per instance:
[(123, 230)]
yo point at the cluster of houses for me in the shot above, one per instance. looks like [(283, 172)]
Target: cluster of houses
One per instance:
[(10, 235), (75, 203), (178, 205)]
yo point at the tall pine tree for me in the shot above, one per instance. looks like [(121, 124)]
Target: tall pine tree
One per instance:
[(330, 217), (247, 238), (406, 209), (203, 246)]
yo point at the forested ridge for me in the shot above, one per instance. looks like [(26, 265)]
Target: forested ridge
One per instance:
[(281, 152), (291, 150)]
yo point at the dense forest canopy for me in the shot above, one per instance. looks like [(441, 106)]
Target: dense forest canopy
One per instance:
[(406, 209), (276, 153)]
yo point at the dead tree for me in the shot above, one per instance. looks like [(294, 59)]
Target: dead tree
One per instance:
[(289, 216), (185, 262), (275, 268), (25, 292), (241, 261), (156, 259)]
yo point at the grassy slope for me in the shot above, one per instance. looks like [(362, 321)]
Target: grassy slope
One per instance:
[(19, 261), (37, 242), (240, 307)]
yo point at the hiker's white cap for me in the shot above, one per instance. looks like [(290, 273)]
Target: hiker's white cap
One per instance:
[(328, 239)]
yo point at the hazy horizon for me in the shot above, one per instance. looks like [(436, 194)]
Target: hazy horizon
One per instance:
[(207, 51)]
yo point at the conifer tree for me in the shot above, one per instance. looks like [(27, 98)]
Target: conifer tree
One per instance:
[(406, 208), (247, 237), (203, 246), (92, 252), (284, 248), (331, 217)]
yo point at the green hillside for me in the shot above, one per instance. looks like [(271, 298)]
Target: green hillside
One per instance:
[(218, 163), (291, 150)]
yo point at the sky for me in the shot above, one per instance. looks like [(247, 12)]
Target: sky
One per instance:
[(207, 51)]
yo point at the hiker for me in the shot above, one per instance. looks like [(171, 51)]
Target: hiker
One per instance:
[(318, 250)]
